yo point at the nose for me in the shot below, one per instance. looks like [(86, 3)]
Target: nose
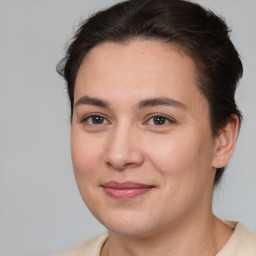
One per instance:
[(123, 150)]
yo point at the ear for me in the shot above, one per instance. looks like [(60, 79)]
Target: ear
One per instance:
[(225, 143)]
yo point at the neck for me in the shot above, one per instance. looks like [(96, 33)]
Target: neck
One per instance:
[(204, 236)]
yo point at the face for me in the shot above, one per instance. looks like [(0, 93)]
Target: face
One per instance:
[(142, 146)]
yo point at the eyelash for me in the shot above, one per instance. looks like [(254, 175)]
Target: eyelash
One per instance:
[(165, 119), (86, 118)]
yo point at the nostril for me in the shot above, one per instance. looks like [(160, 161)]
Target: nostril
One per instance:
[(118, 165), (122, 164)]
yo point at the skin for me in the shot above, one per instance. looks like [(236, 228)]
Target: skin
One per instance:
[(178, 157)]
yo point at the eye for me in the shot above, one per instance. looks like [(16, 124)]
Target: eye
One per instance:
[(94, 120), (159, 120)]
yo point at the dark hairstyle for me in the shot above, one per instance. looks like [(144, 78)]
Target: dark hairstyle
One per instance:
[(199, 33)]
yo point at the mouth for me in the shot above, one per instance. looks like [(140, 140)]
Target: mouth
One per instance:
[(126, 190)]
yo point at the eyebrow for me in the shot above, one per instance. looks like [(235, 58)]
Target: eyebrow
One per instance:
[(86, 100), (161, 101)]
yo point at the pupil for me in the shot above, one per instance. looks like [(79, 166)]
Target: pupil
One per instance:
[(97, 120), (159, 120)]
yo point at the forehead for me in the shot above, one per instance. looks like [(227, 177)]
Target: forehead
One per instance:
[(137, 69), (140, 55)]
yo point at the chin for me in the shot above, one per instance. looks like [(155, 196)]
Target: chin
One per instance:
[(130, 224), (129, 230)]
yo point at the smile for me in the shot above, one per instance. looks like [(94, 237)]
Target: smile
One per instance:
[(125, 190)]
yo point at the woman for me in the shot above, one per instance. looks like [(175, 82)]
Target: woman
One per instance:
[(154, 123)]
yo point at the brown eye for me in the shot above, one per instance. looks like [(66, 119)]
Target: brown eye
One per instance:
[(159, 120), (95, 120)]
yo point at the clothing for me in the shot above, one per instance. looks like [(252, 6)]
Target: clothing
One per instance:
[(241, 243), (89, 248)]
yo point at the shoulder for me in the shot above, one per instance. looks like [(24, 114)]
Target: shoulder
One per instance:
[(91, 247), (242, 242)]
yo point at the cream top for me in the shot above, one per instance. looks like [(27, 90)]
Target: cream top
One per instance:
[(241, 243)]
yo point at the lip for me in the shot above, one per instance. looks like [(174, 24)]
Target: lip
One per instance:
[(125, 190)]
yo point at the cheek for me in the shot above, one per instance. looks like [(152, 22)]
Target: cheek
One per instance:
[(85, 156), (181, 159), (170, 155), (186, 179)]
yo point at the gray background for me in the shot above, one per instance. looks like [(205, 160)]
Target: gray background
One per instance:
[(41, 211)]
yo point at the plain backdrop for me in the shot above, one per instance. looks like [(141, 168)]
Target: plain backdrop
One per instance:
[(41, 212)]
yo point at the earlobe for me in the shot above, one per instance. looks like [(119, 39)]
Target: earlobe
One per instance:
[(225, 143)]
